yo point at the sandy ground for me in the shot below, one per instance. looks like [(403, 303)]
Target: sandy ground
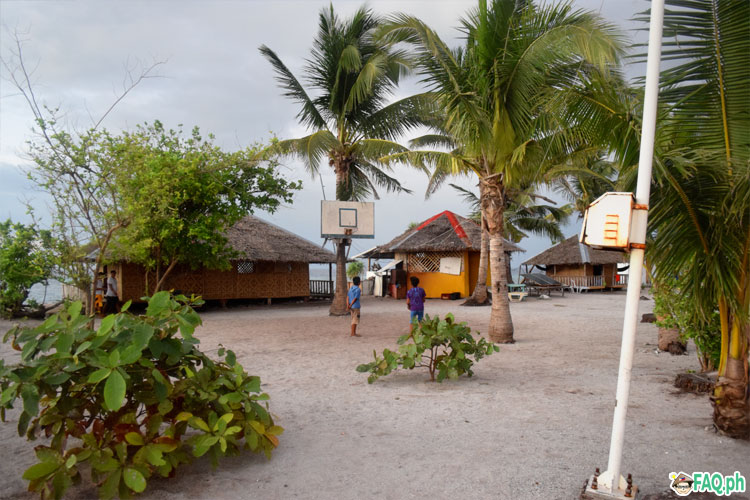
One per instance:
[(533, 422)]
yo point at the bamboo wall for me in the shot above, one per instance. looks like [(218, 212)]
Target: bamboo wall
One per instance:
[(268, 280)]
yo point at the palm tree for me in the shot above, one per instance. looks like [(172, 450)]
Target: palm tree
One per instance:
[(494, 93), (700, 209), (353, 75)]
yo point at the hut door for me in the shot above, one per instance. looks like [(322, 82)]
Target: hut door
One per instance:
[(598, 270)]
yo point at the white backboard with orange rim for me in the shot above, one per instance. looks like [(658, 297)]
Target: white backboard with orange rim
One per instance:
[(347, 219)]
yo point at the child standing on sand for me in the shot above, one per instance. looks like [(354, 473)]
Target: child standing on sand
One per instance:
[(415, 301), (353, 305)]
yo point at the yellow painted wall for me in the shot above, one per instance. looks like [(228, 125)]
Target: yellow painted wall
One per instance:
[(436, 284)]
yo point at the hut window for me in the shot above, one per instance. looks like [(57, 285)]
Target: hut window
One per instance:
[(428, 262), (245, 267)]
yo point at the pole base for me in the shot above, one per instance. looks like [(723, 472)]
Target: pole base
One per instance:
[(589, 493)]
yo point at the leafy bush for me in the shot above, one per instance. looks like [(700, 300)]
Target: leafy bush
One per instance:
[(674, 309), (136, 395), (26, 258), (442, 346), (354, 269)]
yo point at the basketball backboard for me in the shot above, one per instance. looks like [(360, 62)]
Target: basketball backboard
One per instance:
[(347, 219)]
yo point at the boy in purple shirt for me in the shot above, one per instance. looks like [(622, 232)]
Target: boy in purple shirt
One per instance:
[(415, 301)]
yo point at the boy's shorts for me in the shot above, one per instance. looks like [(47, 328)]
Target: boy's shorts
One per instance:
[(418, 314), (355, 316)]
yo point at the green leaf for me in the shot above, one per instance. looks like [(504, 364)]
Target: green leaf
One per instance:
[(106, 325), (154, 456), (198, 423), (71, 461), (134, 438), (64, 342), (111, 485), (75, 310), (252, 385), (158, 303), (99, 375), (38, 471), (30, 396), (114, 391), (57, 378), (134, 480), (183, 416), (83, 347), (60, 484), (165, 407), (231, 358), (114, 359), (126, 306), (275, 430)]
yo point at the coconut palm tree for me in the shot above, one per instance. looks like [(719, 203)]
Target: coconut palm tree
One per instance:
[(700, 208), (352, 75), (494, 92)]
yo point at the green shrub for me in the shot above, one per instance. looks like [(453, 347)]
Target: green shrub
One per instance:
[(354, 269), (673, 308), (134, 398), (441, 346)]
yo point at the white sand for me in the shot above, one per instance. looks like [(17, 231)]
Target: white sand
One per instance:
[(533, 422)]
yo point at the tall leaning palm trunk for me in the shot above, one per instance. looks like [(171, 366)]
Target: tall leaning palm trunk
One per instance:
[(353, 75), (494, 94)]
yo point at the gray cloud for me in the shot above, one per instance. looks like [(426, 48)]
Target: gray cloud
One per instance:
[(214, 77)]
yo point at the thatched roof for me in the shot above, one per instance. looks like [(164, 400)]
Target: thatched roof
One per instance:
[(572, 252), (257, 239), (445, 231)]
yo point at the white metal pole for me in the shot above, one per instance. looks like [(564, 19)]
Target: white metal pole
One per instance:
[(637, 235)]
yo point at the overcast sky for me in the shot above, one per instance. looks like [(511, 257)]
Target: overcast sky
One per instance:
[(213, 77)]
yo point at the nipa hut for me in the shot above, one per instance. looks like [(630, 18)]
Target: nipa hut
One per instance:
[(580, 266), (272, 263), (443, 252)]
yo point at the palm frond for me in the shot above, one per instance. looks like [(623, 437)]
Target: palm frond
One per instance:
[(308, 115)]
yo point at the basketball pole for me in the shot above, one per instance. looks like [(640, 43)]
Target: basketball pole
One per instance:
[(611, 484)]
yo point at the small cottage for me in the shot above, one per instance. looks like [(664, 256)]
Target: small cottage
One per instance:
[(272, 263), (443, 252), (580, 266)]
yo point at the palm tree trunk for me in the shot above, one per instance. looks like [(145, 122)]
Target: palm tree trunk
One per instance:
[(493, 205), (731, 400), (479, 295), (338, 306)]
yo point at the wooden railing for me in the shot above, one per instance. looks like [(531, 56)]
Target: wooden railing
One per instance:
[(581, 282), (322, 288), (621, 280)]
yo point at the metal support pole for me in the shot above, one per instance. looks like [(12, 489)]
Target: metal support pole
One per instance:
[(611, 480)]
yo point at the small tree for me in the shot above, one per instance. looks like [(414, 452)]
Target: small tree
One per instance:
[(73, 169), (183, 193), (26, 258), (444, 347)]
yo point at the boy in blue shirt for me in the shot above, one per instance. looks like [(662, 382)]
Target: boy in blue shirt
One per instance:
[(415, 301), (353, 305)]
